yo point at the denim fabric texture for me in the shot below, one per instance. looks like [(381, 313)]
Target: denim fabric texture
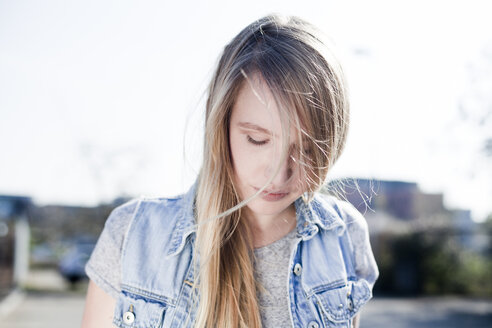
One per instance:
[(332, 269)]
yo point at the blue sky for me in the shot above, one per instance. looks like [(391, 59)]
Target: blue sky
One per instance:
[(104, 98)]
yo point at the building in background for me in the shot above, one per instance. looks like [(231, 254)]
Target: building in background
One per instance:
[(421, 246), (14, 241)]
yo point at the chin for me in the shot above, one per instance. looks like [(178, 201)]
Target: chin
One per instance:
[(260, 206)]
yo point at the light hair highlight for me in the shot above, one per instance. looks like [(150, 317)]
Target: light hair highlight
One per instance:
[(295, 61)]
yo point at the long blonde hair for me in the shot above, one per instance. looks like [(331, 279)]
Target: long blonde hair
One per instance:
[(297, 64)]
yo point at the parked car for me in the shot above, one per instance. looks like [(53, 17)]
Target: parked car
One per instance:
[(72, 263), (43, 255)]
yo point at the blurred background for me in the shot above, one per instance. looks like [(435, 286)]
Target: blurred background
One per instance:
[(103, 101)]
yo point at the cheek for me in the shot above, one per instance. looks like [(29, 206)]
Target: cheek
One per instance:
[(248, 162), (299, 181), (239, 155)]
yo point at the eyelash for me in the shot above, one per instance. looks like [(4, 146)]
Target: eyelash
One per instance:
[(257, 143), (308, 151)]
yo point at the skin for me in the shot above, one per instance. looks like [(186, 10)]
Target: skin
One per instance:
[(255, 139), (355, 322), (99, 308)]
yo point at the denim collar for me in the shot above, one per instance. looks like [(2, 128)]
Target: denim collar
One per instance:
[(320, 212)]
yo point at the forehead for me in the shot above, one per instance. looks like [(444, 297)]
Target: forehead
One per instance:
[(255, 108)]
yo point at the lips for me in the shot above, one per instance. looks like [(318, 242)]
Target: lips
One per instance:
[(270, 195), (275, 192)]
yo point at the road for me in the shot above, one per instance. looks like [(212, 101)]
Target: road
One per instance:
[(427, 312), (46, 309)]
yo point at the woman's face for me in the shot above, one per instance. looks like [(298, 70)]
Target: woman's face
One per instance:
[(255, 139)]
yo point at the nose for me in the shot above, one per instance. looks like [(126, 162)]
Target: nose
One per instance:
[(285, 173)]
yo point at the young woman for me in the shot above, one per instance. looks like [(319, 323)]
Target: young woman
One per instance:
[(253, 243)]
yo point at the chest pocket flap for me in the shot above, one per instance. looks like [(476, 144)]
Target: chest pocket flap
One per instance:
[(138, 312), (341, 304)]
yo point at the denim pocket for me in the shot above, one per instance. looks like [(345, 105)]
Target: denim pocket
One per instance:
[(133, 311), (338, 306)]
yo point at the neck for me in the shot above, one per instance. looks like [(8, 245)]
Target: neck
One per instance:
[(269, 228)]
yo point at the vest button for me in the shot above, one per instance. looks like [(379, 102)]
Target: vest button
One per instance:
[(128, 317), (297, 269), (313, 324)]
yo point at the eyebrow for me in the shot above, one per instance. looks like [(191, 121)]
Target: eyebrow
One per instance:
[(252, 126)]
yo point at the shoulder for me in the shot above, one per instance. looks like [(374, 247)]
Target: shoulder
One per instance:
[(118, 220), (357, 239), (142, 207), (165, 216), (164, 206), (353, 219), (343, 209), (124, 210)]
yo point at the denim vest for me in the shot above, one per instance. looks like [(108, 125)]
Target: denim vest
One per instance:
[(331, 269)]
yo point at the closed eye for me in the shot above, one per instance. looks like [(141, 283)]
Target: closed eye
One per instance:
[(256, 142)]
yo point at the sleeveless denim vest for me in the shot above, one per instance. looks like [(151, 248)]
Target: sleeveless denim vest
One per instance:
[(331, 273)]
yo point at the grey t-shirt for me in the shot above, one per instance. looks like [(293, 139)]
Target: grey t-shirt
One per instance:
[(103, 266), (271, 262)]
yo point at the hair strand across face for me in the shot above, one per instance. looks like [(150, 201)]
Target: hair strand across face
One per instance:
[(296, 62)]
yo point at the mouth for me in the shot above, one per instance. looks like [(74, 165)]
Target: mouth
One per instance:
[(272, 192), (272, 195)]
